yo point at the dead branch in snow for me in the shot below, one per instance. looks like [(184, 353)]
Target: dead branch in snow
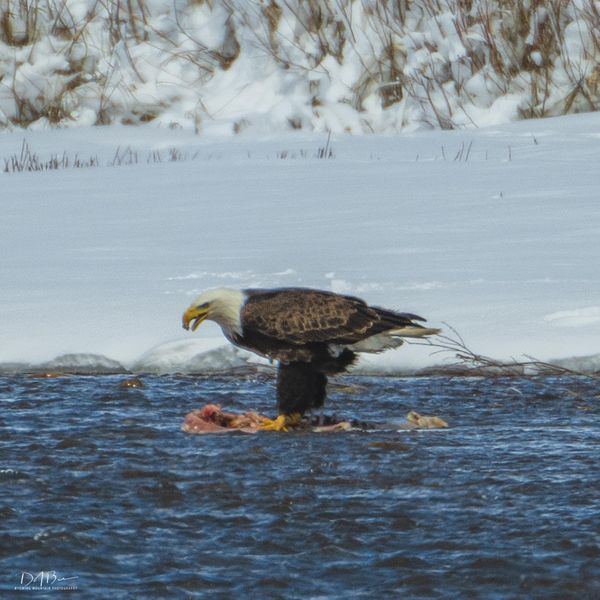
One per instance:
[(466, 361)]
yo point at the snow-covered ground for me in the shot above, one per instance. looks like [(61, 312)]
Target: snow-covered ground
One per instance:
[(494, 231)]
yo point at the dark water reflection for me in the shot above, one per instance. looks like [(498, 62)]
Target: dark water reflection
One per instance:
[(98, 483)]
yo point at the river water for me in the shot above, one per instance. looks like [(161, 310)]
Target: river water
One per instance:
[(101, 493)]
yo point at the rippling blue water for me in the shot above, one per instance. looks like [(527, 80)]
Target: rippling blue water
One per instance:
[(99, 483)]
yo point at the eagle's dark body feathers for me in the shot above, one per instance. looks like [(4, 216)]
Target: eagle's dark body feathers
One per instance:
[(301, 340)]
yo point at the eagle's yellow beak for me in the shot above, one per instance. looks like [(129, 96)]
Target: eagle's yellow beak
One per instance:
[(194, 315)]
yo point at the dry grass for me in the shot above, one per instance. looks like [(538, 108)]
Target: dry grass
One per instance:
[(27, 160), (324, 152)]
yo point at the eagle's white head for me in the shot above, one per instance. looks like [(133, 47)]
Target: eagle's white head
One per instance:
[(222, 305)]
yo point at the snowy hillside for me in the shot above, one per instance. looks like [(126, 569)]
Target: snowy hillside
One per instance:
[(224, 66), (495, 231)]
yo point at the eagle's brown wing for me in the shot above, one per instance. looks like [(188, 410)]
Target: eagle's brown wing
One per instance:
[(303, 316)]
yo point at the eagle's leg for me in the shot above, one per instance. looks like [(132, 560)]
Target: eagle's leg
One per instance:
[(299, 388)]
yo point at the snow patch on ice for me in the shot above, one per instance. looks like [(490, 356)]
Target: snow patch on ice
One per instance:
[(583, 364), (84, 364), (192, 356), (340, 286), (226, 359), (228, 275), (579, 317)]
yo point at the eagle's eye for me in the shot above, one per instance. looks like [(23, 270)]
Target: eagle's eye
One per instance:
[(204, 305)]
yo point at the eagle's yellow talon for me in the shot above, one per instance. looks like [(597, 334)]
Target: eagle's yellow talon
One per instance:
[(277, 424), (282, 422)]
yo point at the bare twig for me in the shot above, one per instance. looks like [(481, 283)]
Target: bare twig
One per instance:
[(467, 361)]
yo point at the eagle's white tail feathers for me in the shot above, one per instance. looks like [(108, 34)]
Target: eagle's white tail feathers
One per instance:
[(391, 339), (413, 332)]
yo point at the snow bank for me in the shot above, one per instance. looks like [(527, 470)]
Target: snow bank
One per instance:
[(191, 357), (583, 364), (82, 363), (228, 66)]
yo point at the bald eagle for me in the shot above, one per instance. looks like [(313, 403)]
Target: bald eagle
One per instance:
[(310, 333)]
